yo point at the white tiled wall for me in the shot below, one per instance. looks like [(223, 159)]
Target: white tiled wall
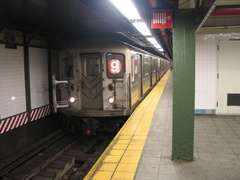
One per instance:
[(206, 68), (38, 60), (12, 82)]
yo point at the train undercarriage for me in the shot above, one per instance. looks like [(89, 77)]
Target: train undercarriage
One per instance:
[(93, 125)]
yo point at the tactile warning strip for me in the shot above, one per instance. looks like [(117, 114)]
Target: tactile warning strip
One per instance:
[(120, 160)]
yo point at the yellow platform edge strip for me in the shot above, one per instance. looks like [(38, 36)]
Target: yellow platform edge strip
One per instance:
[(120, 159)]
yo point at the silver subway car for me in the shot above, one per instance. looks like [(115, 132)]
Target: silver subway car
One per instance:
[(102, 79)]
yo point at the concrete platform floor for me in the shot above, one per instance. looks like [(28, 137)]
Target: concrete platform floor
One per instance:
[(216, 147)]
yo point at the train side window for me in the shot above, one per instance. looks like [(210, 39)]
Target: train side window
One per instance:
[(132, 66), (145, 67), (153, 65), (135, 66), (115, 65), (67, 67)]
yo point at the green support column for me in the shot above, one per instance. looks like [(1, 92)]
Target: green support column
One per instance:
[(183, 84)]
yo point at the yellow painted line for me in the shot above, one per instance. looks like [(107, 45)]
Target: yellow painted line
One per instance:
[(120, 159)]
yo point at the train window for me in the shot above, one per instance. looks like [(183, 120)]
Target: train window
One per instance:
[(115, 65), (132, 66), (153, 65), (146, 69), (67, 67), (135, 64), (145, 66), (91, 64)]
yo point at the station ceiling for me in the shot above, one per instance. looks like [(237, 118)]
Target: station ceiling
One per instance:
[(64, 20)]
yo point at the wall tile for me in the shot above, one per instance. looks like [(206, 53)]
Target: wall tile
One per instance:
[(12, 82), (206, 69), (38, 59)]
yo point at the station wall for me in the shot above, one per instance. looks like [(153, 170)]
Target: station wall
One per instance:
[(13, 106), (206, 70), (25, 116), (38, 60), (12, 88)]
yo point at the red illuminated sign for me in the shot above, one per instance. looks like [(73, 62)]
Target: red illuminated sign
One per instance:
[(114, 66), (162, 19), (135, 66)]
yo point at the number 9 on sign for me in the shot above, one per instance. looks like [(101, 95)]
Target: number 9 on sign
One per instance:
[(114, 66)]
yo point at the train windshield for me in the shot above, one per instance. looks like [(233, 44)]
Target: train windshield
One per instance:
[(92, 64), (67, 67)]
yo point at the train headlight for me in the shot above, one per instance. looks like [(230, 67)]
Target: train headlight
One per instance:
[(72, 99), (111, 100), (110, 86)]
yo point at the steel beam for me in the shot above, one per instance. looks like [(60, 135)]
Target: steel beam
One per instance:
[(204, 12)]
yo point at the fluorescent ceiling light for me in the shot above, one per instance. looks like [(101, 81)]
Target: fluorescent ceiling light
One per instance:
[(142, 28), (155, 43), (152, 40), (127, 8), (157, 46)]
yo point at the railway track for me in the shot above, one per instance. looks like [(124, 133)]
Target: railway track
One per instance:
[(62, 155)]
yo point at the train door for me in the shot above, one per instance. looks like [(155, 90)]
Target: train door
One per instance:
[(154, 71), (91, 81), (140, 76), (156, 68), (151, 70), (228, 95), (159, 68)]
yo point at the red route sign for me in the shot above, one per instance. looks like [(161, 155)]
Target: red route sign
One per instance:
[(162, 19), (114, 66)]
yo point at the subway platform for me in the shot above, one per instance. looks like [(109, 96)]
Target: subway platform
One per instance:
[(216, 149)]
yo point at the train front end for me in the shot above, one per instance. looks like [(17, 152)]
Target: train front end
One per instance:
[(94, 89)]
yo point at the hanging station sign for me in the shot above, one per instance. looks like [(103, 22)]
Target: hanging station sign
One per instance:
[(162, 19)]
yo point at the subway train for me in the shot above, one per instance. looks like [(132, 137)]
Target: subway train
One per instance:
[(103, 80)]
